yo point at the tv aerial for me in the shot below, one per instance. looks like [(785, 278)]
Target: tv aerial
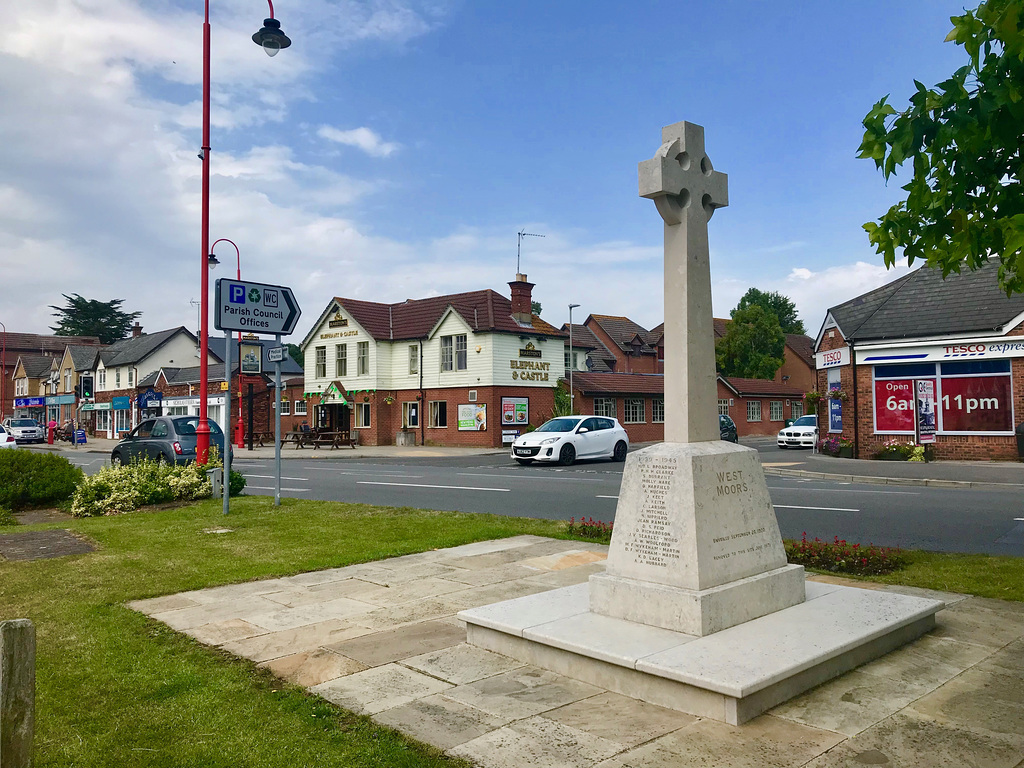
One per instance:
[(519, 246)]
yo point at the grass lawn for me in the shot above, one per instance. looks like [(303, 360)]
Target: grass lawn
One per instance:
[(118, 689)]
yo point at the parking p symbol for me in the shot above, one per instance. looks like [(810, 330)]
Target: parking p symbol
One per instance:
[(237, 294)]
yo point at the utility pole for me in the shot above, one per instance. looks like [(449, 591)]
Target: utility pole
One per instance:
[(519, 246)]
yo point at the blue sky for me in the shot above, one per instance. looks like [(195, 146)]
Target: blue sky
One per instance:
[(398, 146)]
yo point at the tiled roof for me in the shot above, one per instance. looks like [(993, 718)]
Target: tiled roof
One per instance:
[(922, 304), (655, 335), (619, 383), (83, 358), (720, 326), (622, 331), (484, 310), (747, 387), (129, 351), (35, 343), (584, 337), (214, 372), (37, 366), (802, 346)]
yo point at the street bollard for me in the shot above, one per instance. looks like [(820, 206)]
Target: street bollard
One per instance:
[(17, 692)]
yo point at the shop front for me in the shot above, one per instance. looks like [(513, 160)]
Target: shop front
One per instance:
[(110, 419), (60, 408), (30, 408), (189, 406)]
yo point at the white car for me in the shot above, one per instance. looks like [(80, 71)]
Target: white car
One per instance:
[(802, 433), (7, 439), (567, 438), (26, 430)]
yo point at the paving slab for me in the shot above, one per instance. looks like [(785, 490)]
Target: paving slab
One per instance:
[(313, 667), (290, 618), (397, 644), (522, 692), (273, 645), (380, 688), (976, 621), (563, 560), (224, 631), (620, 719), (979, 699), (208, 613), (440, 721), (461, 664), (406, 591), (483, 576), (162, 604), (538, 743)]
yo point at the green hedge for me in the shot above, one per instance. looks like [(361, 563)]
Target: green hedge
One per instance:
[(29, 479), (116, 490)]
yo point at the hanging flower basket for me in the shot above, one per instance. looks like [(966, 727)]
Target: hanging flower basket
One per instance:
[(389, 400)]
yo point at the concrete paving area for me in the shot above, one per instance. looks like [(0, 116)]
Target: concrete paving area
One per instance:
[(382, 639)]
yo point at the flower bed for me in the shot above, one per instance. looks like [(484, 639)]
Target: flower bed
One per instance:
[(839, 556), (836, 446), (588, 528), (895, 449)]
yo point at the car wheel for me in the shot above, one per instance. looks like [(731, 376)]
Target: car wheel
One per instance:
[(567, 455), (524, 462), (161, 458), (116, 460), (620, 451)]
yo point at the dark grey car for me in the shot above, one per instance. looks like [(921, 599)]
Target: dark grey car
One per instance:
[(171, 439), (727, 428)]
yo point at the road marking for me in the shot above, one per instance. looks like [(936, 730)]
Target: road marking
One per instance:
[(362, 473), (447, 487), (606, 497), (269, 488), (520, 474), (271, 477), (823, 509), (840, 490)]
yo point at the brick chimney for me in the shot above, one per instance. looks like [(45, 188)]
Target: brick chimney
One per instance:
[(522, 299), (136, 330)]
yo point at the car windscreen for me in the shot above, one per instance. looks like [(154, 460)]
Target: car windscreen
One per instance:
[(187, 426), (24, 423), (806, 421), (559, 425)]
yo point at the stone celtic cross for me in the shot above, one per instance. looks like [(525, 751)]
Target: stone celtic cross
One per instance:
[(686, 190)]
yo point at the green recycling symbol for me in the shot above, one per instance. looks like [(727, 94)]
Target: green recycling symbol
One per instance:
[(254, 295)]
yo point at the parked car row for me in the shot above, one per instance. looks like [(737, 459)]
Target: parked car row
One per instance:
[(7, 439), (25, 430), (169, 439)]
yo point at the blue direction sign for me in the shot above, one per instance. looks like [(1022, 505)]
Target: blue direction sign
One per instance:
[(255, 307)]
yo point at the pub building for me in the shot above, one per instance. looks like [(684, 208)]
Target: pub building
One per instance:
[(926, 360), (465, 369)]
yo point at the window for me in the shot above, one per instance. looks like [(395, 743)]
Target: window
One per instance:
[(21, 387), (159, 429), (635, 411), (834, 379), (145, 429), (117, 378), (446, 353), (567, 360), (67, 380), (796, 409), (410, 415), (605, 406), (286, 408), (362, 415), (753, 410), (775, 410), (414, 358), (102, 421), (300, 407), (460, 352), (438, 414), (340, 361), (102, 379), (131, 377), (658, 410), (321, 363), (362, 358), (723, 407)]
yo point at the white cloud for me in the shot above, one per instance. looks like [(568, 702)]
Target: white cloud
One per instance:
[(362, 138)]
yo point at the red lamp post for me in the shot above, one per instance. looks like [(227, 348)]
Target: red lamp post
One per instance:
[(3, 374), (272, 40)]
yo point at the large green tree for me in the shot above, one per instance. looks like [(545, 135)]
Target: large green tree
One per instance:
[(964, 138), (774, 303), (753, 345), (89, 317), (296, 354)]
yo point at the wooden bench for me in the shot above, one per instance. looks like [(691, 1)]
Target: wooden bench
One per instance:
[(333, 439)]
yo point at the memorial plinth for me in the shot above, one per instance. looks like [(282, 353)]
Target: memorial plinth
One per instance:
[(697, 609)]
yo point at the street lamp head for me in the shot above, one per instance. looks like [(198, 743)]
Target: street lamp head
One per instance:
[(212, 261), (573, 306), (271, 38)]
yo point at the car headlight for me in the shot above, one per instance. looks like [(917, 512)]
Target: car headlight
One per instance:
[(550, 440)]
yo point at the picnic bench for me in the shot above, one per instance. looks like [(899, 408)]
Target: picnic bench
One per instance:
[(319, 439)]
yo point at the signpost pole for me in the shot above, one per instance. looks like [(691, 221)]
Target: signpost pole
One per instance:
[(277, 428), (226, 481)]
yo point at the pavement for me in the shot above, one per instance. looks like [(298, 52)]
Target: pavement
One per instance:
[(790, 462), (382, 639)]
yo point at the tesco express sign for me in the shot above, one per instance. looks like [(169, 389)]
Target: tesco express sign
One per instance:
[(832, 357)]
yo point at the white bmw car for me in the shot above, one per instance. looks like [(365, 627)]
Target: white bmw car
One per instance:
[(567, 438), (802, 433)]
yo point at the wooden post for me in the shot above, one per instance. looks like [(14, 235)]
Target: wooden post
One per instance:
[(17, 692)]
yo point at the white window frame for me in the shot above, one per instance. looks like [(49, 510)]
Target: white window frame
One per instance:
[(461, 352), (447, 353), (131, 377), (796, 408), (606, 406), (362, 358), (101, 378), (435, 412), (630, 414), (776, 410), (414, 359), (408, 408), (753, 406), (320, 364), (300, 408), (658, 410), (67, 380), (723, 407), (117, 378), (340, 361), (362, 416), (286, 408)]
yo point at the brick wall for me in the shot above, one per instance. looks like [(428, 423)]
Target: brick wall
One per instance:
[(647, 432)]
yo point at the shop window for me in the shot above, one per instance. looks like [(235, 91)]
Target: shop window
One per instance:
[(775, 410), (340, 361), (362, 358), (414, 358), (321, 363), (410, 415), (438, 414), (102, 421), (635, 412), (753, 410), (796, 409), (362, 415), (605, 406), (300, 407), (723, 407), (658, 410)]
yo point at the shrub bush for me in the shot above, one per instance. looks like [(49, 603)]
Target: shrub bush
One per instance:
[(237, 483), (29, 479), (7, 517), (116, 490), (839, 556), (588, 528)]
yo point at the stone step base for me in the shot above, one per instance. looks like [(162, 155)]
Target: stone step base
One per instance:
[(733, 675)]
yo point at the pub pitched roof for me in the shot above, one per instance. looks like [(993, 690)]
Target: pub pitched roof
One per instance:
[(36, 366), (760, 387), (619, 383), (622, 331)]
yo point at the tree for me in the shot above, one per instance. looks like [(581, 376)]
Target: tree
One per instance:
[(964, 137), (776, 304), (296, 354), (89, 317), (535, 308), (753, 345)]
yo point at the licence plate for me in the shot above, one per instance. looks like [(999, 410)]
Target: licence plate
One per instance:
[(522, 451)]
